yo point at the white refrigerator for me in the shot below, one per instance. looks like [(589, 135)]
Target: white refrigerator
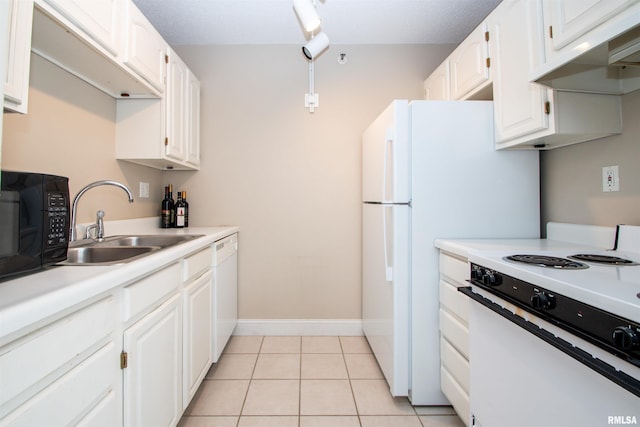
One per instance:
[(430, 170)]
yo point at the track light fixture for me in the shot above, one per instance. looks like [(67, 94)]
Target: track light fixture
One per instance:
[(316, 46), (307, 14)]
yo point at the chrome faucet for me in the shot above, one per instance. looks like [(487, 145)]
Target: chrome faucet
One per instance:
[(74, 206)]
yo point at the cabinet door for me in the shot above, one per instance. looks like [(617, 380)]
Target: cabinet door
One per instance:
[(517, 47), (468, 62), (437, 87), (100, 19), (571, 19), (198, 328), (145, 51), (176, 97), (152, 377), (16, 87), (193, 120)]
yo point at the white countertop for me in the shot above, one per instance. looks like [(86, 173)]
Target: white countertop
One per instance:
[(27, 300)]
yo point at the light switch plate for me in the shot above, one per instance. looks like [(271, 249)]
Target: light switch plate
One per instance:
[(610, 179)]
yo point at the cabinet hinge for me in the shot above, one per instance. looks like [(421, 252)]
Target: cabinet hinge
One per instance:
[(166, 141), (486, 36), (550, 31), (488, 62), (547, 108), (166, 58), (124, 359)]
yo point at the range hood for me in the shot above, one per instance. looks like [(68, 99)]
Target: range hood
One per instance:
[(608, 64), (625, 49)]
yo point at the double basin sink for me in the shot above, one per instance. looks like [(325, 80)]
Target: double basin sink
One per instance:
[(121, 249)]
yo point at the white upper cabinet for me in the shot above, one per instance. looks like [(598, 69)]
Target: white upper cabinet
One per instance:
[(100, 19), (16, 85), (437, 87), (469, 65), (176, 98), (528, 114), (519, 106), (145, 48), (88, 39), (571, 19), (193, 120), (165, 133)]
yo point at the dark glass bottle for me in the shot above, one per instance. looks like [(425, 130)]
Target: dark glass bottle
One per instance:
[(179, 211), (165, 216), (186, 208), (172, 207)]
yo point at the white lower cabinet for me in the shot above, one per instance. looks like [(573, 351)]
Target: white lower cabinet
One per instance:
[(454, 334), (134, 356), (198, 329), (152, 376), (64, 373)]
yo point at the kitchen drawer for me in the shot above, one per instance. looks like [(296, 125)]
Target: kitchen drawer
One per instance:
[(194, 265), (454, 302), (455, 332), (151, 291), (48, 353), (456, 395), (455, 269), (455, 363), (88, 389)]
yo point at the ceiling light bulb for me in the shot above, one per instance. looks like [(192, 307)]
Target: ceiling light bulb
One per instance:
[(316, 46), (307, 14)]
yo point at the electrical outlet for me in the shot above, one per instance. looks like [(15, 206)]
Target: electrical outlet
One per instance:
[(144, 190), (610, 179)]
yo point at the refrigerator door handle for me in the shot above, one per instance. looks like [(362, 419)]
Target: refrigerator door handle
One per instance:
[(388, 151), (388, 268)]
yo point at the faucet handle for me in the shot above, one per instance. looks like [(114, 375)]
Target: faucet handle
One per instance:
[(100, 224)]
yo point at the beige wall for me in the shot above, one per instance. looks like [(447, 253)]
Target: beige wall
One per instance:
[(288, 178), (70, 131), (572, 176)]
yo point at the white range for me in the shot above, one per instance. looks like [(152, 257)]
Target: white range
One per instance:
[(555, 334)]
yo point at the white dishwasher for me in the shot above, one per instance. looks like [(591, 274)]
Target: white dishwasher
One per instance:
[(225, 292)]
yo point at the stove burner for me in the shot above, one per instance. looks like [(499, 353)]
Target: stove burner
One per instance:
[(547, 261), (603, 259)]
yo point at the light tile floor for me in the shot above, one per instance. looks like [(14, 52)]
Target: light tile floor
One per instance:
[(303, 382)]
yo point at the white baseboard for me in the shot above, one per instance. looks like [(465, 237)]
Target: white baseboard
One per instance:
[(299, 327)]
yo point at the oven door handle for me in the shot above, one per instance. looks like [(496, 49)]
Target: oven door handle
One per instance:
[(623, 380)]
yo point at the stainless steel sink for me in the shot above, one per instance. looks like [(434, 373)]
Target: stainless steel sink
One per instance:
[(105, 255), (121, 249), (159, 240)]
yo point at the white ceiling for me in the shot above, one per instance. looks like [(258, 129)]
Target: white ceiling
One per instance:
[(201, 22)]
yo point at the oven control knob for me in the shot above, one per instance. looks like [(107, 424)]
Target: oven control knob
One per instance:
[(625, 338), (543, 301), (477, 272), (491, 278)]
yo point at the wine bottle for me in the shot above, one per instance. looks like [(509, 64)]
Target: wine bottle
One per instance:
[(165, 217), (179, 211), (172, 208), (186, 208)]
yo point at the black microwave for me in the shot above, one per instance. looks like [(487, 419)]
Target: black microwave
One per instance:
[(34, 221)]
